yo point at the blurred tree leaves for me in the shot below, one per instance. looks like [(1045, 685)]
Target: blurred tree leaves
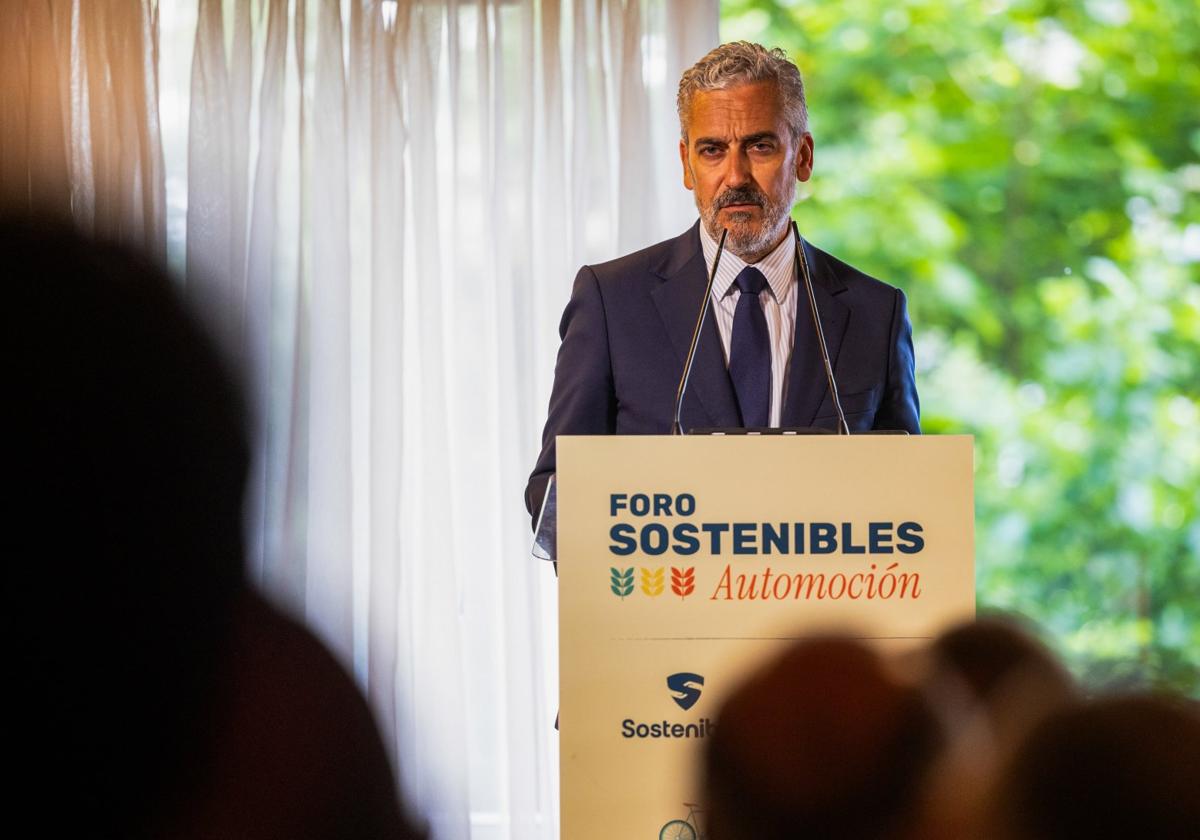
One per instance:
[(1029, 173)]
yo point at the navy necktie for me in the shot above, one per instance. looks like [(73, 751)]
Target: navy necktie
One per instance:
[(750, 350)]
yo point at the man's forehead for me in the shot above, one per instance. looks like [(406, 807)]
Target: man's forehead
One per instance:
[(746, 108)]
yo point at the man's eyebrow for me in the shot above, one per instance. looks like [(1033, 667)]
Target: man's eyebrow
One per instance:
[(748, 140), (751, 139)]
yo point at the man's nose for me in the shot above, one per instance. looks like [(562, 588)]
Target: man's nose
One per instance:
[(737, 170)]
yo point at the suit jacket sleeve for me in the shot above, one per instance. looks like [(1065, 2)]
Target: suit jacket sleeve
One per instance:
[(900, 407), (582, 400)]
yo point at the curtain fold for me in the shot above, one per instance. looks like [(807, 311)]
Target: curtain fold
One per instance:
[(79, 128)]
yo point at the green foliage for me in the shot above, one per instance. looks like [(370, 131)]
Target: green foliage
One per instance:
[(1029, 173)]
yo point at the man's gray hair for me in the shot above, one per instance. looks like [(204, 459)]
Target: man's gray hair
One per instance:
[(740, 63)]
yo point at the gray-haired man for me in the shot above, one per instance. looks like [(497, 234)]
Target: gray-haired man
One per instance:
[(626, 330)]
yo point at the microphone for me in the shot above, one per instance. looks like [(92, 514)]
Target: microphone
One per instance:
[(802, 262), (676, 426)]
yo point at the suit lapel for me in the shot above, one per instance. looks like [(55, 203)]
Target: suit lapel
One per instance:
[(677, 299), (807, 383)]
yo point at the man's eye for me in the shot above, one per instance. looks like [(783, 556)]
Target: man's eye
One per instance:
[(709, 151), (763, 147)]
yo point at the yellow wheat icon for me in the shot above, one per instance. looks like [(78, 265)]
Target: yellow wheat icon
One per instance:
[(652, 582)]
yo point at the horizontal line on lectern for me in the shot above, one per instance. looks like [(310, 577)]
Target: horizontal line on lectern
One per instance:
[(757, 638)]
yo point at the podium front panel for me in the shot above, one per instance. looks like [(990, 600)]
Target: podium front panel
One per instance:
[(685, 562)]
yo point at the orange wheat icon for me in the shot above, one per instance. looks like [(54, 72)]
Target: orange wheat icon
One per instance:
[(683, 581)]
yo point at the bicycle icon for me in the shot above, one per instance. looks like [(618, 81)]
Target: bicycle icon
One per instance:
[(688, 829)]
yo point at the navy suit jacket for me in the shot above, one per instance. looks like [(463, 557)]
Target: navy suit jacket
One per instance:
[(626, 331)]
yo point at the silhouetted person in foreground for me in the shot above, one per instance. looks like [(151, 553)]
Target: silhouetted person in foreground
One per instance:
[(821, 743), (991, 681), (156, 695), (1120, 767), (994, 656)]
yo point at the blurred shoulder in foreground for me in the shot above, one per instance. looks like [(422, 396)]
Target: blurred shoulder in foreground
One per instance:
[(156, 694), (1118, 767)]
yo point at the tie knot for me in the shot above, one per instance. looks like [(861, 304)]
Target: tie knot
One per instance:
[(751, 281)]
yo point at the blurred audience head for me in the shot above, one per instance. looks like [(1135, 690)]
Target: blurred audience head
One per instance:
[(823, 742), (1118, 767), (995, 656), (130, 428), (991, 680), (129, 462), (993, 676)]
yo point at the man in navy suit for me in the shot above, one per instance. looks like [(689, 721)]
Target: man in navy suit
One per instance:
[(627, 328)]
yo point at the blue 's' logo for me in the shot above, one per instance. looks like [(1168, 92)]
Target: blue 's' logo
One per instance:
[(685, 688)]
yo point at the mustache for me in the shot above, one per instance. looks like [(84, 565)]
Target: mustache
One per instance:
[(739, 195)]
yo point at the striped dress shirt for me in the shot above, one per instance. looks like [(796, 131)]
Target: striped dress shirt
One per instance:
[(778, 301)]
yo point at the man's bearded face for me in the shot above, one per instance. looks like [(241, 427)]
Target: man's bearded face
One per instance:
[(742, 162)]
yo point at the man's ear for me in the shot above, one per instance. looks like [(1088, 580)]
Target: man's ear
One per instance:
[(687, 170), (804, 158)]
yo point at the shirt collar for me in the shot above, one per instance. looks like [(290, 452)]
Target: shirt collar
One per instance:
[(778, 267)]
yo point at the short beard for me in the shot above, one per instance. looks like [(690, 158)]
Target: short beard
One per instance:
[(742, 240)]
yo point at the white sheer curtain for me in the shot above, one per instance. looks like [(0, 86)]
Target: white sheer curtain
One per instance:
[(382, 205)]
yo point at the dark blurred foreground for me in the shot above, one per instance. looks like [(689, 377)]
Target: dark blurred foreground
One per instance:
[(156, 695), (982, 734)]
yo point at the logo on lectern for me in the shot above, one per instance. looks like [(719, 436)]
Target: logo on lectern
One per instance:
[(685, 688), (653, 581)]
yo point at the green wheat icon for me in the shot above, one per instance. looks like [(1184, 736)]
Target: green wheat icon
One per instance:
[(621, 582)]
